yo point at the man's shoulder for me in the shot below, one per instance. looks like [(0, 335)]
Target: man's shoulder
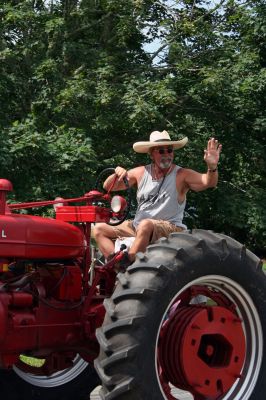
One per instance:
[(182, 170), (182, 173), (138, 170), (179, 170), (136, 174)]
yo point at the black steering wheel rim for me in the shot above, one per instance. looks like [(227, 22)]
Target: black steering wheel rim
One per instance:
[(111, 170)]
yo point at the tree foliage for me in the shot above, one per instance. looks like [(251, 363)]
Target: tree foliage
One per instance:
[(78, 85)]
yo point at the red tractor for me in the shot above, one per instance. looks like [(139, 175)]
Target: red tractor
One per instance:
[(188, 314)]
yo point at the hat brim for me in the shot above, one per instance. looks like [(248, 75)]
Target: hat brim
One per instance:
[(144, 147)]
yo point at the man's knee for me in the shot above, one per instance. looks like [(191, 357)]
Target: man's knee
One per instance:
[(99, 229), (145, 226)]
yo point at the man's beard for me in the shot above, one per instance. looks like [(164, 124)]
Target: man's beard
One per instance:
[(165, 163)]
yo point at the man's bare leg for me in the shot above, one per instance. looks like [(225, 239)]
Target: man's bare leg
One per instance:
[(143, 234), (104, 235)]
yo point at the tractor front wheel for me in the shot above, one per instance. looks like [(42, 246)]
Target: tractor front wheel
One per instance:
[(76, 382), (189, 314)]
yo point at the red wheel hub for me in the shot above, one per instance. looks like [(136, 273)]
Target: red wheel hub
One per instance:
[(202, 350)]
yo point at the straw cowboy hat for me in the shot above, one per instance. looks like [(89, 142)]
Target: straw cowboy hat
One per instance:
[(159, 139)]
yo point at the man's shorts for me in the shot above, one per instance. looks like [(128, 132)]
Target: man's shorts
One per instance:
[(161, 229)]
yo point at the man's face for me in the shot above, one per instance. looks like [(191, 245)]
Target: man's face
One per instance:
[(163, 156)]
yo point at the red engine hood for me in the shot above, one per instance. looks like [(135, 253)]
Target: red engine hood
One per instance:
[(26, 236)]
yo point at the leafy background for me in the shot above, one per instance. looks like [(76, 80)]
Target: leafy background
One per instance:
[(78, 87)]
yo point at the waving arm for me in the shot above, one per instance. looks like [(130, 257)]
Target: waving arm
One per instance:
[(197, 181)]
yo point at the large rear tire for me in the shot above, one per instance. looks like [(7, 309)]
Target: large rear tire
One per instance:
[(155, 338), (72, 383)]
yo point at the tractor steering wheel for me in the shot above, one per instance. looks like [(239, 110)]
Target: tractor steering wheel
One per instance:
[(123, 216)]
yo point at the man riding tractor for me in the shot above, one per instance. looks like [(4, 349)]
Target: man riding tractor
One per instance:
[(162, 187)]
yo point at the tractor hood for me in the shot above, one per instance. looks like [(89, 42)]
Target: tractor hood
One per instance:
[(31, 237)]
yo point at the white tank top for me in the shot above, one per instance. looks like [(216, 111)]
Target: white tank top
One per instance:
[(158, 199)]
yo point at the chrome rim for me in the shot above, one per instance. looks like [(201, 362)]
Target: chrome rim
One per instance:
[(58, 378)]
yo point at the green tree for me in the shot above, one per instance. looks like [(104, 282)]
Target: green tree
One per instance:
[(77, 88)]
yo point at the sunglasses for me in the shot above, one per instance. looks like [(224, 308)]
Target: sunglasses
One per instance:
[(165, 151)]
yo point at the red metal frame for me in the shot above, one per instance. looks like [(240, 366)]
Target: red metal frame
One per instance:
[(50, 309)]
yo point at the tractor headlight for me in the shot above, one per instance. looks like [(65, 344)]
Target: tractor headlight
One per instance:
[(118, 204)]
